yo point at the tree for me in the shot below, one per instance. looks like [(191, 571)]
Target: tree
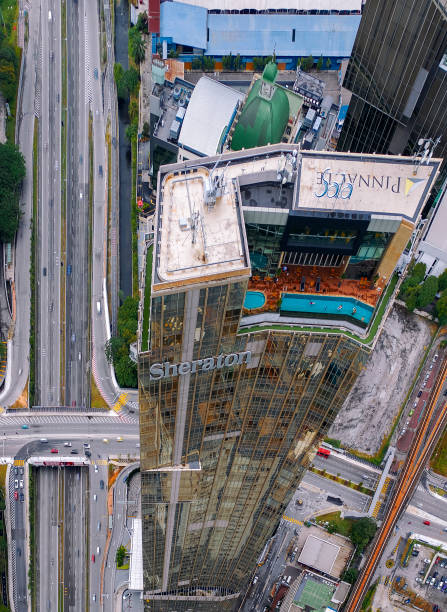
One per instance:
[(126, 372), (412, 298), (418, 273), (131, 78), (146, 130), (137, 45), (128, 319), (8, 79), (12, 172), (208, 63), (237, 62), (197, 63), (427, 292), (442, 281), (227, 62), (308, 63), (332, 527), (328, 64), (362, 532), (132, 131), (120, 555), (133, 110), (113, 349), (441, 310), (350, 575), (320, 63), (142, 23)]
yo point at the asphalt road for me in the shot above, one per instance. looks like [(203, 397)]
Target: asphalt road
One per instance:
[(77, 387), (98, 516), (351, 470), (49, 213), (75, 542), (18, 550), (47, 525), (119, 526)]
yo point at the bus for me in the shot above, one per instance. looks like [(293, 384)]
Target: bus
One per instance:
[(323, 452)]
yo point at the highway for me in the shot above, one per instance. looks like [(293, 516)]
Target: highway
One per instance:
[(424, 442), (75, 541), (77, 299), (352, 470), (49, 209), (47, 541)]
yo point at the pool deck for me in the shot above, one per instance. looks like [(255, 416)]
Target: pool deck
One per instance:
[(331, 284)]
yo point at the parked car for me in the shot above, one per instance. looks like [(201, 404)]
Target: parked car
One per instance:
[(101, 484), (21, 484), (420, 393), (16, 495), (16, 484), (22, 497)]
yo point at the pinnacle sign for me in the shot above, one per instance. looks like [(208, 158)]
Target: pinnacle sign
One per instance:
[(168, 370)]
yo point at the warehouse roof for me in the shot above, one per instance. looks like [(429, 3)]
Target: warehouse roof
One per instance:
[(210, 110), (319, 554)]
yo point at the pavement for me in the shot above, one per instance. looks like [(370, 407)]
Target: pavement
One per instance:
[(47, 531)]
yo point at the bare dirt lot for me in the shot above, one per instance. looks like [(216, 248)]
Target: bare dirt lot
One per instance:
[(369, 410)]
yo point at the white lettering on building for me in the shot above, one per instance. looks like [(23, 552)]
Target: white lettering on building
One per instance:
[(167, 370)]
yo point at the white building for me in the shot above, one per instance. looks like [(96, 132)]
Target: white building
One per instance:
[(432, 249)]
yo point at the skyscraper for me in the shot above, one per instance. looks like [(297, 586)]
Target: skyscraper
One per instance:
[(398, 78), (235, 393)]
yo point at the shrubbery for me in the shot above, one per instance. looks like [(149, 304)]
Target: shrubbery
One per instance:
[(117, 348)]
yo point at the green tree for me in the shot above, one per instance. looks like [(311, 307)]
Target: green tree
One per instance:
[(237, 62), (133, 110), (411, 298), (227, 62), (320, 63), (121, 88), (427, 292), (120, 555), (132, 131), (308, 63), (332, 527), (128, 319), (208, 63), (441, 310), (418, 273), (126, 372), (362, 532), (131, 79), (8, 79), (114, 349), (12, 172), (142, 23), (442, 281), (328, 64), (350, 575), (146, 130), (137, 45), (197, 63)]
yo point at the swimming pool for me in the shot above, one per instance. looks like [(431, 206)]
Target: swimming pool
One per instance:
[(254, 299), (337, 307)]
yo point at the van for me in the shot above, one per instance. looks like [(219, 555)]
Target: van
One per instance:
[(98, 307)]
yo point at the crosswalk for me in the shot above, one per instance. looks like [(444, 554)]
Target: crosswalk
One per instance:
[(292, 520), (117, 406), (65, 418)]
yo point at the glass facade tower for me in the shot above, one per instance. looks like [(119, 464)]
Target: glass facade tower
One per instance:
[(233, 405), (398, 79)]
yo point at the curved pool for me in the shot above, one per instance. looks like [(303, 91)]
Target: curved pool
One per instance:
[(254, 299)]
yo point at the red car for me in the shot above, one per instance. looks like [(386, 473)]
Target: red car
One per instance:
[(16, 495), (54, 450), (426, 522), (93, 558)]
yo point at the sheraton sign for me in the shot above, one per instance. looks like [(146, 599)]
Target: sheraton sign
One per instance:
[(168, 370)]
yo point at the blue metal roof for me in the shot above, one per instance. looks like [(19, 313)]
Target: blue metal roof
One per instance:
[(327, 35), (184, 23)]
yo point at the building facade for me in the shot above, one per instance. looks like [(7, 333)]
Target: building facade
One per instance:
[(398, 78), (232, 409)]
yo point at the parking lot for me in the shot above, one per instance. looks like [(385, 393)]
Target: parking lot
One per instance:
[(426, 574)]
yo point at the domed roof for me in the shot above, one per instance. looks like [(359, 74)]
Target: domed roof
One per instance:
[(265, 114)]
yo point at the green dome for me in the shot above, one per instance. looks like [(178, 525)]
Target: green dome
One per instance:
[(270, 72), (264, 116)]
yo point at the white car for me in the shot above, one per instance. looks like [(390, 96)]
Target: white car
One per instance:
[(16, 484), (67, 443), (21, 484), (96, 468)]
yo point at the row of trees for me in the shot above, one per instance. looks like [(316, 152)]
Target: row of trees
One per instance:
[(12, 173), (137, 43), (127, 81), (117, 348), (9, 70), (419, 293), (308, 63)]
